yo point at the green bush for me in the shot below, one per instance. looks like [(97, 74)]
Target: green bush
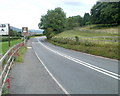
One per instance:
[(76, 38)]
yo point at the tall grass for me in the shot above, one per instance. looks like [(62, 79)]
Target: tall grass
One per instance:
[(21, 53), (107, 49)]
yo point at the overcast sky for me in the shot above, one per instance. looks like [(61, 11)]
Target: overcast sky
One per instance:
[(27, 13)]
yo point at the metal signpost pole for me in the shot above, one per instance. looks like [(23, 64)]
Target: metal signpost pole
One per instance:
[(24, 39)]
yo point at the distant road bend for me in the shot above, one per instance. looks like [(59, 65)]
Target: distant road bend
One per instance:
[(76, 72)]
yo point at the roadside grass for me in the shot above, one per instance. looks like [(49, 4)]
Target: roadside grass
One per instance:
[(106, 50), (19, 58), (5, 90), (5, 45), (21, 53), (36, 35), (91, 41)]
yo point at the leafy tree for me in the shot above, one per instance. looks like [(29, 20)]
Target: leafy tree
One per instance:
[(74, 21), (49, 33), (105, 13), (55, 20), (13, 33), (86, 19), (19, 34)]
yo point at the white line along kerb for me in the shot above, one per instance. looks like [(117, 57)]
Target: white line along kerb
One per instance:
[(98, 69), (63, 89)]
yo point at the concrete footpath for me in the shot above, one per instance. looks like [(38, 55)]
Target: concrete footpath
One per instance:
[(30, 77)]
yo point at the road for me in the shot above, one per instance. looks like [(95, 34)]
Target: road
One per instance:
[(77, 72), (30, 77)]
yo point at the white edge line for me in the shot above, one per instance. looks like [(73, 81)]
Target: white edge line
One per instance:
[(63, 89)]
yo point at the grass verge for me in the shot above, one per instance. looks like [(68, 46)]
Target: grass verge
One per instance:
[(105, 50), (19, 58), (21, 53)]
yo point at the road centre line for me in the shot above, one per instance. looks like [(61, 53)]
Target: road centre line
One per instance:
[(98, 69)]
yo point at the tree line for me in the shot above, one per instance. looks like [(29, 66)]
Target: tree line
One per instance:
[(55, 21), (14, 33)]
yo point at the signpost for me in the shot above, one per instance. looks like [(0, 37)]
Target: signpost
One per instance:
[(24, 32)]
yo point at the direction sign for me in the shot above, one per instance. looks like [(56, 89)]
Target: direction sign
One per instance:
[(4, 29), (24, 31)]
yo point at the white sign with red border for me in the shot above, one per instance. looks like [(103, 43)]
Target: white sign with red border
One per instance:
[(24, 31)]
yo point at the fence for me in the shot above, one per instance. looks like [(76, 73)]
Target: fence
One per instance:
[(96, 38), (6, 63)]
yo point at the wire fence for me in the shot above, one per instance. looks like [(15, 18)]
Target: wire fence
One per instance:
[(100, 31), (95, 38)]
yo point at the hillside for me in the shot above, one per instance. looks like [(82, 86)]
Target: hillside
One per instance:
[(15, 29), (102, 42), (88, 31)]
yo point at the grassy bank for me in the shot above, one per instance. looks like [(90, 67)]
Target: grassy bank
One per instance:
[(105, 47), (108, 50), (21, 53), (86, 32), (4, 45)]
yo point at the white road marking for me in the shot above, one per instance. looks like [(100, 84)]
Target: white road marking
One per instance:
[(98, 69), (63, 89), (29, 47)]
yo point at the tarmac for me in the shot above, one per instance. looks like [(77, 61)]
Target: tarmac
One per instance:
[(30, 77)]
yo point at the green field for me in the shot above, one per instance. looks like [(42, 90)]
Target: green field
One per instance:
[(102, 42), (4, 45)]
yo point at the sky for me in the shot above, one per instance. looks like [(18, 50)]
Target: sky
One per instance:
[(27, 13)]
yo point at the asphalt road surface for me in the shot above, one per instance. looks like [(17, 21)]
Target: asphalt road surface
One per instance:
[(77, 72), (30, 76)]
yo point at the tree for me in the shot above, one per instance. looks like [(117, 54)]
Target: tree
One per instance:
[(49, 33), (86, 19), (54, 19), (13, 33), (105, 13), (74, 21)]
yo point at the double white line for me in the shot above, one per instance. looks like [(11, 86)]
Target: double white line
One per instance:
[(98, 69)]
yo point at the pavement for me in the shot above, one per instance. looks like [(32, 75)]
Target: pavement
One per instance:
[(30, 77)]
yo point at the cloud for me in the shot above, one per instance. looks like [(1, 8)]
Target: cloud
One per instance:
[(21, 13), (73, 3)]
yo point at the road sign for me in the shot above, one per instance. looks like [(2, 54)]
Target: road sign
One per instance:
[(24, 31), (4, 29)]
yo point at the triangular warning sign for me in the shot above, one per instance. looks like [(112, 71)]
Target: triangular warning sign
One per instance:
[(2, 29)]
